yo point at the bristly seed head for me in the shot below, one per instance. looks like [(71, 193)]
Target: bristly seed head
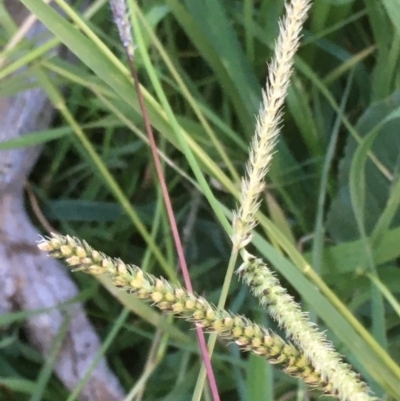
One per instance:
[(248, 335), (313, 343)]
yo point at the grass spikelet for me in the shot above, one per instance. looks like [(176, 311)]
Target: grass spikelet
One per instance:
[(121, 19), (167, 297), (282, 307), (268, 121)]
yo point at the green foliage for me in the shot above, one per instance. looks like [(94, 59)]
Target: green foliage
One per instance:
[(94, 178)]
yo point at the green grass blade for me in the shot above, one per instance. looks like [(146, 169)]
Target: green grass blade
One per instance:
[(34, 138), (51, 359)]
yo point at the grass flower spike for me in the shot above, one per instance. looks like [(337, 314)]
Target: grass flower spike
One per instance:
[(253, 271), (313, 343), (247, 335), (268, 121), (121, 18)]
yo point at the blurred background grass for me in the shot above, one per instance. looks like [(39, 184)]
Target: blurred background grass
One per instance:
[(333, 188)]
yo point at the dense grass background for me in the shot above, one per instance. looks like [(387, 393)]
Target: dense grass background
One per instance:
[(333, 188)]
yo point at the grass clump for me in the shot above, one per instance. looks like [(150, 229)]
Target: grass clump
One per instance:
[(214, 104)]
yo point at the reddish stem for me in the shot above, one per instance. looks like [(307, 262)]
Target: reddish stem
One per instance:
[(174, 227)]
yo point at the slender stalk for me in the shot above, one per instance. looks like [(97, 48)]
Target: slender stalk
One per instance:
[(122, 21), (213, 337)]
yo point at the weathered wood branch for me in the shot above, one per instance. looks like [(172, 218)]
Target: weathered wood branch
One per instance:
[(28, 279)]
